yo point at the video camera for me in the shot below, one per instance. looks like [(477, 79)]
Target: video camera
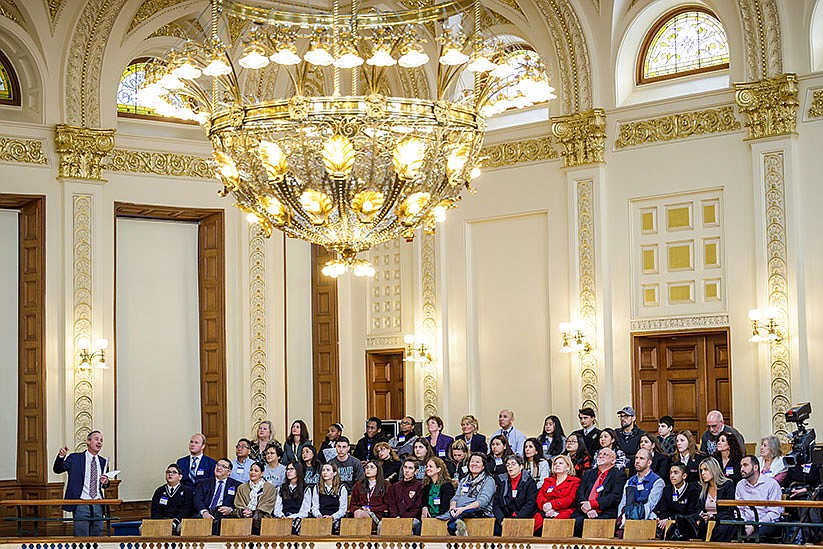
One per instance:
[(802, 439)]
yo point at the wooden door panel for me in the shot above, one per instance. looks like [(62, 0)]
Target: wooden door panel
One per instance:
[(649, 407), (325, 363), (385, 391)]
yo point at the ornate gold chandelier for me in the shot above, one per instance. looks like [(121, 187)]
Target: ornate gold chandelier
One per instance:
[(344, 171)]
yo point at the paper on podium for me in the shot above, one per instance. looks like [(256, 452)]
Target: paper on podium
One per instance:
[(113, 474)]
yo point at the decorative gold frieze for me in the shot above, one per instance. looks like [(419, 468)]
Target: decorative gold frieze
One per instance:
[(82, 151), (770, 105), (429, 278), (82, 308), (588, 287), (257, 338), (516, 152), (149, 8), (9, 9), (159, 163), (26, 151), (676, 126), (583, 136), (816, 108)]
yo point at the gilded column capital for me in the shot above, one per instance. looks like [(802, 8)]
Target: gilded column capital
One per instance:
[(82, 151), (770, 105), (583, 136)]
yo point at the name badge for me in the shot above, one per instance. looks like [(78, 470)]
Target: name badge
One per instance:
[(514, 493), (464, 490), (550, 489), (441, 453), (164, 500), (641, 486), (729, 470), (436, 501), (807, 468), (241, 470), (367, 507), (674, 496), (498, 461), (401, 438), (464, 469), (599, 489), (411, 494), (200, 472), (545, 448), (231, 491)]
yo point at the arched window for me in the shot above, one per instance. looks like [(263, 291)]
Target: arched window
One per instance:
[(688, 40), (526, 69), (130, 105), (9, 85)]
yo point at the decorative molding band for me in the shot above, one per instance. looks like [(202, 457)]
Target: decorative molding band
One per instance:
[(384, 342), (257, 308), (25, 151), (680, 323), (147, 9), (583, 136), (429, 293), (160, 163), (82, 151), (778, 283), (816, 108), (588, 294), (676, 126), (518, 152), (11, 11), (770, 105), (81, 305)]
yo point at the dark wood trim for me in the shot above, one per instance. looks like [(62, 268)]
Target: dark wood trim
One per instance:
[(325, 349), (647, 42), (212, 303), (16, 96)]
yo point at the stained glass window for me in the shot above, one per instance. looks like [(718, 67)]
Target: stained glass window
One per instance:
[(9, 87), (683, 42), (127, 100)]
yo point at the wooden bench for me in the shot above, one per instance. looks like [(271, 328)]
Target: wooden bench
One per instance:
[(36, 519)]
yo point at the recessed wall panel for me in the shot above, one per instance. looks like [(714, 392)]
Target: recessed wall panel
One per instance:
[(509, 295), (9, 238), (158, 357)]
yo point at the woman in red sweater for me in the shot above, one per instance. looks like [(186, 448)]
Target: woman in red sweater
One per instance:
[(368, 498), (556, 497)]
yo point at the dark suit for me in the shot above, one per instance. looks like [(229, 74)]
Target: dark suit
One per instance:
[(521, 505), (204, 494), (592, 440), (205, 469), (687, 504), (178, 506), (477, 444), (608, 499), (75, 465)]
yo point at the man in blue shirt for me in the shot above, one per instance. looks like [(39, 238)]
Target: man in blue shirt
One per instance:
[(516, 438), (240, 466)]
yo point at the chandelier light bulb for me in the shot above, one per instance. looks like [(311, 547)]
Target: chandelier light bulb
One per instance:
[(503, 70), (348, 60), (187, 71), (254, 57), (319, 56), (286, 56), (755, 314), (217, 67), (381, 58), (474, 173), (481, 64), (439, 214), (414, 57), (252, 218), (453, 56), (171, 82)]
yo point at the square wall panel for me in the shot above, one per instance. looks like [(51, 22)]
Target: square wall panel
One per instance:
[(679, 217)]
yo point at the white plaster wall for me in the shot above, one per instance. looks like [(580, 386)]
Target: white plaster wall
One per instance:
[(9, 238)]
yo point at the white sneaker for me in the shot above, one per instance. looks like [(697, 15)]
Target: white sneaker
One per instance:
[(460, 528)]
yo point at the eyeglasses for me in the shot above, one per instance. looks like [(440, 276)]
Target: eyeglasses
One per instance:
[(172, 472), (221, 466), (241, 446), (406, 423)]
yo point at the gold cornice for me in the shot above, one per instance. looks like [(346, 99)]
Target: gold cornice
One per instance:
[(147, 9), (583, 136), (26, 151), (517, 152), (770, 105), (816, 108), (82, 151), (676, 126), (159, 163)]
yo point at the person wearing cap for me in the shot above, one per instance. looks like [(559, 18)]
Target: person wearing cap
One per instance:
[(588, 432), (666, 434), (364, 450), (628, 437)]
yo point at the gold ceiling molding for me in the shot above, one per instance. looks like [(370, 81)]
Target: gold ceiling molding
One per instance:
[(587, 298), (9, 10), (513, 5), (160, 163), (676, 126), (236, 26), (25, 151), (762, 40), (147, 9), (583, 136), (257, 338), (429, 295), (816, 108), (82, 308), (173, 30), (54, 11), (518, 152), (679, 323), (770, 105), (82, 151)]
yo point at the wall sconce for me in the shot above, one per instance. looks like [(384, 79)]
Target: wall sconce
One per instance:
[(87, 354), (764, 326), (574, 340), (417, 349)]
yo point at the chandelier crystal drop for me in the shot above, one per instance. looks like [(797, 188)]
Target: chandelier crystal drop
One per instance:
[(344, 159)]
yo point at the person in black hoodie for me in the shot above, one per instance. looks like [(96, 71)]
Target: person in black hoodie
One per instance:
[(628, 436), (679, 499), (516, 496), (364, 450)]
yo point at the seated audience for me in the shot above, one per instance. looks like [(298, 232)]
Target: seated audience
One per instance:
[(679, 501), (642, 491), (265, 439), (534, 462), (666, 434), (687, 454), (365, 447), (240, 465), (771, 459), (713, 486), (173, 500), (330, 497), (294, 498), (274, 472), (589, 433), (421, 451), (297, 439), (515, 437), (406, 494), (716, 426), (403, 442), (311, 465), (349, 469), (516, 496), (439, 442), (474, 496), (196, 466), (728, 455), (552, 440), (660, 460), (255, 499), (579, 455), (756, 486), (438, 489), (475, 442), (388, 460), (458, 463), (327, 451), (600, 491), (556, 498), (608, 439), (370, 495), (499, 450), (214, 497)]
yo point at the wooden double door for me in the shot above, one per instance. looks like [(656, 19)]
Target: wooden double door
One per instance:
[(683, 376)]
